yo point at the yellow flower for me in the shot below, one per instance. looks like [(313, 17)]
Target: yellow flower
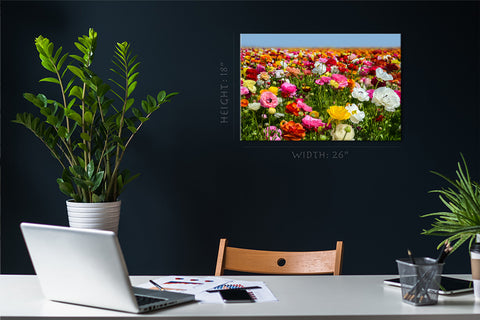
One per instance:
[(250, 85), (273, 90), (314, 114), (338, 113), (271, 110), (244, 72), (334, 84)]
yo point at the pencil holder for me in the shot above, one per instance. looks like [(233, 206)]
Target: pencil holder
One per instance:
[(420, 281)]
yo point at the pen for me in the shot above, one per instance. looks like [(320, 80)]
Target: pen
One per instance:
[(244, 288), (157, 285)]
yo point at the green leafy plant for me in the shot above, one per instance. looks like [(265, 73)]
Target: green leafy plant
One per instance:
[(462, 222), (89, 130)]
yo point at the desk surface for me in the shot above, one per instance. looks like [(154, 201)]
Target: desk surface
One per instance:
[(305, 297)]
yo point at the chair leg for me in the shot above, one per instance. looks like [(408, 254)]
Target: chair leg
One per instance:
[(338, 258), (220, 258)]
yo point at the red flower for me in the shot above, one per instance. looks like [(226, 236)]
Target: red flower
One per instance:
[(331, 62), (353, 67), (392, 67), (377, 83), (252, 74), (379, 118), (292, 108), (371, 71)]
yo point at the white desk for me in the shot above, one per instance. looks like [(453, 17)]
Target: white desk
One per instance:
[(300, 297)]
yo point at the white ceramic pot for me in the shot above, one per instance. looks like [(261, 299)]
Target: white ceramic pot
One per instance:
[(99, 215), (475, 259)]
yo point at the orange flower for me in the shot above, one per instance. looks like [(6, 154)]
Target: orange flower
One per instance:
[(292, 108), (351, 84), (292, 131), (264, 76), (244, 103), (293, 71)]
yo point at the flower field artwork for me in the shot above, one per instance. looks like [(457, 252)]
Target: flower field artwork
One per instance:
[(320, 93)]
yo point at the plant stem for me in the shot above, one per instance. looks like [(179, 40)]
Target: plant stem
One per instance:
[(63, 93)]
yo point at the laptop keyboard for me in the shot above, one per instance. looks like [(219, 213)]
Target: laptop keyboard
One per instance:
[(142, 300)]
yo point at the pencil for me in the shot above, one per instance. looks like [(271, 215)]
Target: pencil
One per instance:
[(157, 285), (244, 288)]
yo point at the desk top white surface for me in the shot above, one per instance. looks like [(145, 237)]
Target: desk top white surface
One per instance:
[(300, 297)]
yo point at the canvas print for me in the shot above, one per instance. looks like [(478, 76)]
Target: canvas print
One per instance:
[(320, 87)]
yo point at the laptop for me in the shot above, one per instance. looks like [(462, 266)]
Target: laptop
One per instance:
[(86, 267)]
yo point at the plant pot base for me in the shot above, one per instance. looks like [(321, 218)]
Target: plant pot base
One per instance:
[(100, 216)]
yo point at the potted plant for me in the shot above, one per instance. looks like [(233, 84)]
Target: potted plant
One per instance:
[(90, 127), (461, 222)]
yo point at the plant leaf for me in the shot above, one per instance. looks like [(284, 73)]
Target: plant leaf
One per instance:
[(85, 136), (53, 80)]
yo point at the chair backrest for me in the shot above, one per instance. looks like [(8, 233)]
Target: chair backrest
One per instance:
[(279, 262)]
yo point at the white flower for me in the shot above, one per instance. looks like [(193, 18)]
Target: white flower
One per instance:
[(279, 74), (356, 114), (320, 68), (334, 69), (284, 64), (383, 75), (360, 94), (343, 132), (254, 106), (280, 100), (279, 115), (386, 97)]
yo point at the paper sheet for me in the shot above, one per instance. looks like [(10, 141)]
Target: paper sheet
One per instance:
[(199, 285), (191, 285), (260, 295)]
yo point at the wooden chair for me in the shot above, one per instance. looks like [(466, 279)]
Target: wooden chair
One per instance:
[(279, 262)]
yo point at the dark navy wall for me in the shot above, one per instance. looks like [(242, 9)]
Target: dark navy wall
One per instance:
[(199, 183)]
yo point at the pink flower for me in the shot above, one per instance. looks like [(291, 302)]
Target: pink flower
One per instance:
[(323, 80), (302, 105), (363, 71), (368, 63), (311, 123), (272, 133), (341, 80), (370, 93), (288, 88), (268, 100), (399, 94), (260, 68), (367, 81), (243, 90), (322, 60)]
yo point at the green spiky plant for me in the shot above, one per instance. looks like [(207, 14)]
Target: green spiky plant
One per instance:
[(462, 222), (88, 132)]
